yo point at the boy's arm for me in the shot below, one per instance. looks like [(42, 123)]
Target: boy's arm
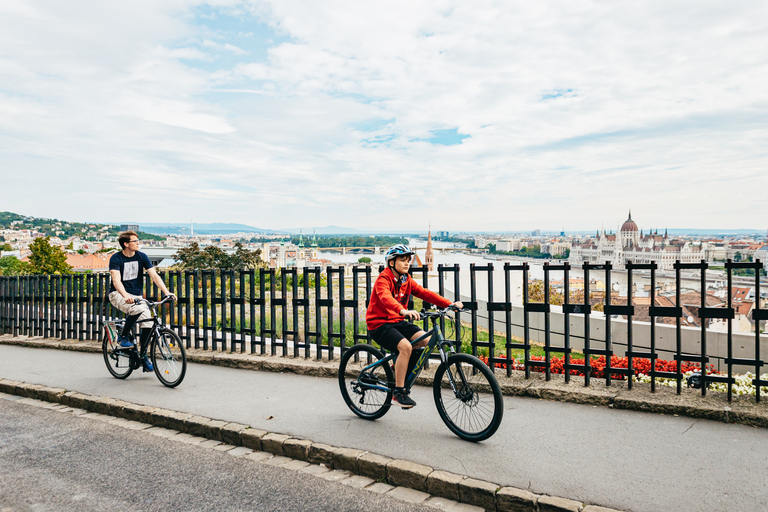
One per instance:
[(429, 296)]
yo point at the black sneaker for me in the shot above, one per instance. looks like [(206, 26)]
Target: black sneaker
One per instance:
[(402, 398)]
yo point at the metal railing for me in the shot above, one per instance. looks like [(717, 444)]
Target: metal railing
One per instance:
[(318, 313)]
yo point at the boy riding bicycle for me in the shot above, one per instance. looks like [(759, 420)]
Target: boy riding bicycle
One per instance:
[(388, 313)]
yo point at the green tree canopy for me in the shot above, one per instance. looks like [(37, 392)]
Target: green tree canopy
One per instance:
[(364, 259), (192, 257), (47, 259), (11, 266)]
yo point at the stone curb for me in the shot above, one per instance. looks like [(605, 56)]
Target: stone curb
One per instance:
[(343, 461), (715, 406)]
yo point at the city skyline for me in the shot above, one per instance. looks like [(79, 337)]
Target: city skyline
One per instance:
[(381, 117)]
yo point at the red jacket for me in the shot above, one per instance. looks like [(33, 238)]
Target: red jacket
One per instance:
[(389, 297)]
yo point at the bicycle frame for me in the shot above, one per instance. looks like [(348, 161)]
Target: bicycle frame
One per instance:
[(156, 324), (436, 341)]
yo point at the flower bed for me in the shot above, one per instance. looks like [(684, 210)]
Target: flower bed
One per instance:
[(641, 368)]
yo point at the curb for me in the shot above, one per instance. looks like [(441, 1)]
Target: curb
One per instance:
[(400, 478), (714, 406)]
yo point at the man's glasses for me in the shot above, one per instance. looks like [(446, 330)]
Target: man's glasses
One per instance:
[(133, 241)]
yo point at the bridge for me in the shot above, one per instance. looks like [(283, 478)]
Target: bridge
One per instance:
[(377, 250)]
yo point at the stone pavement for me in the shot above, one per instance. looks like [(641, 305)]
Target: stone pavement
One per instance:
[(414, 481), (401, 479)]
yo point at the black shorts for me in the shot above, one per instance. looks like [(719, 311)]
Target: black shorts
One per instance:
[(389, 335)]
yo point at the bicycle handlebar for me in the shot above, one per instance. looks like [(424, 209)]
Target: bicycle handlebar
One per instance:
[(139, 300), (434, 313)]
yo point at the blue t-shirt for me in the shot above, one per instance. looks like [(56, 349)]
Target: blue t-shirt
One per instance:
[(131, 271)]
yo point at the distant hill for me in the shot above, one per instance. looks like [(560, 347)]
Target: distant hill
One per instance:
[(202, 229), (327, 230)]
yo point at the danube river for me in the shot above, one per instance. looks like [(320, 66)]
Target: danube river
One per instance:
[(665, 280)]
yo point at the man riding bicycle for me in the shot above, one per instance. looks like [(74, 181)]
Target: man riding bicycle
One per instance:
[(127, 271), (388, 313)]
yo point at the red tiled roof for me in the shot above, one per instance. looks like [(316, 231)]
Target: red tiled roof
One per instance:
[(96, 262)]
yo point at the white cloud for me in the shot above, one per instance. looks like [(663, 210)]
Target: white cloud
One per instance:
[(574, 112)]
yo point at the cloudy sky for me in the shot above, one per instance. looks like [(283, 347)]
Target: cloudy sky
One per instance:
[(476, 116)]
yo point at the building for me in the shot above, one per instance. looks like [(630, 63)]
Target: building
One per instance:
[(629, 244), (509, 245)]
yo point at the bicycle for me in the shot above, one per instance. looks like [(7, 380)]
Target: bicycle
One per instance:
[(165, 347), (467, 395)]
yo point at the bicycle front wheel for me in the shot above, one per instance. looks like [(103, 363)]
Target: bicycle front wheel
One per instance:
[(169, 358), (362, 385), (118, 359), (474, 410)]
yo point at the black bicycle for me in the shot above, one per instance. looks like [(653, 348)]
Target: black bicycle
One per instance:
[(165, 348), (467, 395)]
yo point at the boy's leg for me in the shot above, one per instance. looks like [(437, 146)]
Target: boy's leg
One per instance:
[(417, 351), (401, 365)]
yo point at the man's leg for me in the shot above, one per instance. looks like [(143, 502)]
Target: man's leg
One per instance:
[(118, 301)]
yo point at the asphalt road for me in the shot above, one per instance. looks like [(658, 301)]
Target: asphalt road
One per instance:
[(52, 461), (621, 459)]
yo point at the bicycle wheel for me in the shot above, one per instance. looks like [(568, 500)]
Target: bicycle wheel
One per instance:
[(474, 411), (169, 358), (362, 389), (118, 359)]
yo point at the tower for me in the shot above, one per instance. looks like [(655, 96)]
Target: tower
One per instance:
[(429, 257)]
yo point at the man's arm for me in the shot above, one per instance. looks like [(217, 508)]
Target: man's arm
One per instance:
[(118, 284), (158, 280)]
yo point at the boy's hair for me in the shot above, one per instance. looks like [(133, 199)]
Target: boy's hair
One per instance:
[(125, 237)]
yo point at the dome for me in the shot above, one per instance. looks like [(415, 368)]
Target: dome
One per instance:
[(629, 225)]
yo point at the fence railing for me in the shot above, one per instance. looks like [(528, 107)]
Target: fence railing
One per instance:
[(311, 312)]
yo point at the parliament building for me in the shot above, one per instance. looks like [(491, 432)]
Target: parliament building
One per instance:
[(629, 244)]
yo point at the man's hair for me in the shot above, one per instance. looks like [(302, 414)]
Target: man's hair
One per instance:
[(125, 237)]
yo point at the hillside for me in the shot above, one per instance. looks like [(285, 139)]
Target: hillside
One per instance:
[(63, 229)]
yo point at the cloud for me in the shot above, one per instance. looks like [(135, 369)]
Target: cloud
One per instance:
[(487, 115)]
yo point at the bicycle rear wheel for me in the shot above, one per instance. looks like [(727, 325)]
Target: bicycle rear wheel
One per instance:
[(474, 411), (169, 358), (363, 390), (118, 359)]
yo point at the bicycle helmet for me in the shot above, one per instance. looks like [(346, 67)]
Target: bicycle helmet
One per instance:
[(398, 250)]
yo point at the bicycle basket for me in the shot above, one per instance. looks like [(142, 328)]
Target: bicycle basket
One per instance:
[(110, 331)]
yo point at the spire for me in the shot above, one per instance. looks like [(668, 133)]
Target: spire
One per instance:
[(429, 255), (301, 239), (630, 214)]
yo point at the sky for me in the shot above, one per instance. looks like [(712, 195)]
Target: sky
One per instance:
[(462, 116)]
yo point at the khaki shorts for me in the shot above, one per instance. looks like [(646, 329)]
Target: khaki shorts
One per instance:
[(142, 310)]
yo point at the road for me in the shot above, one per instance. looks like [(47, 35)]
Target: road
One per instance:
[(621, 459), (55, 461)]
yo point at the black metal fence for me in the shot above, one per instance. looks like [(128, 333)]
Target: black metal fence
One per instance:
[(318, 313)]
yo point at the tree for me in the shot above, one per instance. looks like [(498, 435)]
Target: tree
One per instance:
[(365, 259), (6, 247), (737, 257), (191, 257), (47, 259), (11, 266)]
